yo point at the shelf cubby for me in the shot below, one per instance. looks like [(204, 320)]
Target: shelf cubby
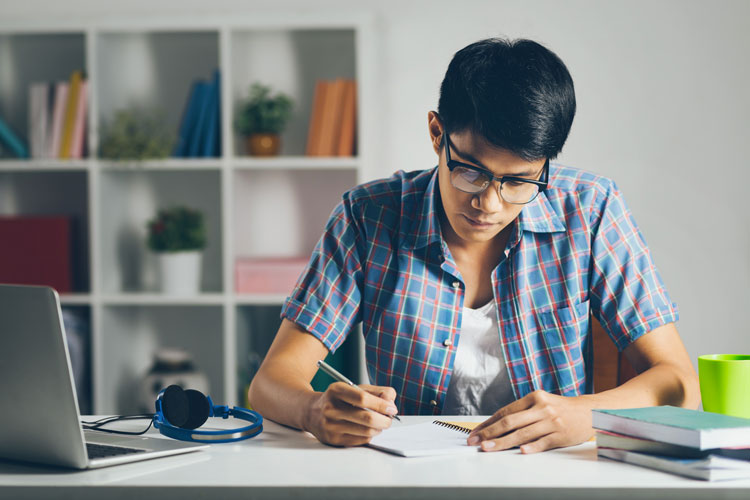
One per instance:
[(152, 70), (129, 199), (45, 193), (290, 61), (27, 58), (282, 213), (131, 335)]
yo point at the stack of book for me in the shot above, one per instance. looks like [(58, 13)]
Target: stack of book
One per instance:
[(334, 119), (689, 443), (57, 121), (199, 135)]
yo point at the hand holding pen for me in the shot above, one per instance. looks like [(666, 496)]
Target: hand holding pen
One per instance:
[(333, 372), (347, 414)]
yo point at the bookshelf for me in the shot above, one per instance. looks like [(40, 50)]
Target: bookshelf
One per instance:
[(254, 207)]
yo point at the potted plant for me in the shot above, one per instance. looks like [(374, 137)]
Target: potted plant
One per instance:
[(261, 118), (136, 134), (178, 236)]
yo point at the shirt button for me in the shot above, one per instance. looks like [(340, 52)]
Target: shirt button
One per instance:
[(433, 402), (447, 342), (456, 284)]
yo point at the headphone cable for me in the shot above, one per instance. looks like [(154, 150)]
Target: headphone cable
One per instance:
[(97, 425)]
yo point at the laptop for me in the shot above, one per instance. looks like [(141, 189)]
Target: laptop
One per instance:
[(40, 421)]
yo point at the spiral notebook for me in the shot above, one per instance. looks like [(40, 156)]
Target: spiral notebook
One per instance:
[(426, 439)]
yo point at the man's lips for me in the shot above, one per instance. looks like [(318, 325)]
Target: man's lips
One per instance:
[(480, 222)]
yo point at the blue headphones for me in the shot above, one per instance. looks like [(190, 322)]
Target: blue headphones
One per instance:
[(179, 413)]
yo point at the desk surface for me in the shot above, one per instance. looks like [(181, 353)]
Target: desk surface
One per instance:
[(284, 463)]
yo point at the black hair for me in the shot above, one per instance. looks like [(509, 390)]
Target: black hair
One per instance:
[(516, 94)]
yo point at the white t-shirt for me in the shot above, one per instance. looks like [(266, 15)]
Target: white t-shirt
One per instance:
[(479, 384)]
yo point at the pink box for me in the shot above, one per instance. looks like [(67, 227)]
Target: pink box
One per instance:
[(267, 275)]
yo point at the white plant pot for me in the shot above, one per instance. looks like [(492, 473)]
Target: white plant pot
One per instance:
[(180, 272)]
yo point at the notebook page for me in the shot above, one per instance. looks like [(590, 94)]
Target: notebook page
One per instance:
[(421, 440)]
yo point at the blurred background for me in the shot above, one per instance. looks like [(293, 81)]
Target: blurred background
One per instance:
[(663, 109)]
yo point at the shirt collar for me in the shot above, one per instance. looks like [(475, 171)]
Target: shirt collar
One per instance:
[(539, 216), (425, 224)]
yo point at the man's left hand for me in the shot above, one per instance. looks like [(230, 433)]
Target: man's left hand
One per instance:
[(537, 422)]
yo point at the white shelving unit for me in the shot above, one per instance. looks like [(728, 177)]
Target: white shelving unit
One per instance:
[(253, 206)]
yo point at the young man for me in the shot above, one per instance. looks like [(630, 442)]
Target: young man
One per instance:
[(475, 281)]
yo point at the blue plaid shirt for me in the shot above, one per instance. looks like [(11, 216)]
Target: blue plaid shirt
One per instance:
[(574, 251)]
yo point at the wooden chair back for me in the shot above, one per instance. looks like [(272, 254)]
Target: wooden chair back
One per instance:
[(611, 367)]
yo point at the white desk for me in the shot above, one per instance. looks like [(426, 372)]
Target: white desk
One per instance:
[(284, 463)]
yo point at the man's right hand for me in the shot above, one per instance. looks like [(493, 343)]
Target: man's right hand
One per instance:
[(350, 416)]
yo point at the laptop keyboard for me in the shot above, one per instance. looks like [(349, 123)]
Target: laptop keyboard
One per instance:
[(96, 450)]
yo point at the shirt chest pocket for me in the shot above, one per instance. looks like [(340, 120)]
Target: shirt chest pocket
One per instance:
[(563, 333)]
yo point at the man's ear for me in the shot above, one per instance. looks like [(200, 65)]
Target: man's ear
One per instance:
[(435, 128)]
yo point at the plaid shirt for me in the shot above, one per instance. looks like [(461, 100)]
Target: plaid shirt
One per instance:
[(574, 251)]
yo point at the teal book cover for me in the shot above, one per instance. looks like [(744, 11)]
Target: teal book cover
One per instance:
[(680, 417)]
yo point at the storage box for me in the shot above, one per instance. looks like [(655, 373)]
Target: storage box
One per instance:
[(36, 251), (268, 275)]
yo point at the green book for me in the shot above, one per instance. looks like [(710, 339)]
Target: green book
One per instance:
[(669, 424)]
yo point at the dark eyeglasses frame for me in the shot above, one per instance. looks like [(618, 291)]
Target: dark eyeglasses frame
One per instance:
[(452, 164)]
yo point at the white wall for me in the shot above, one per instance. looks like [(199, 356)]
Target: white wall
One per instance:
[(663, 109)]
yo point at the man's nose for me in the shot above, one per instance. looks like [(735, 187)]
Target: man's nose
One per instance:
[(489, 200)]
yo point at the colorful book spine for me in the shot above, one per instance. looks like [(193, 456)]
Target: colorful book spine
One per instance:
[(38, 118), (347, 135), (211, 144), (58, 119), (313, 137), (12, 141), (189, 116), (70, 114), (330, 122), (79, 129), (197, 133)]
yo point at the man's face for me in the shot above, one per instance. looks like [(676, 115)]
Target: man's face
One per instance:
[(478, 218)]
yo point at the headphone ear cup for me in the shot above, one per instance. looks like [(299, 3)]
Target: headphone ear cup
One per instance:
[(199, 409), (175, 405)]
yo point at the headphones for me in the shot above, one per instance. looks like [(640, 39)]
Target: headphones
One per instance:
[(180, 412)]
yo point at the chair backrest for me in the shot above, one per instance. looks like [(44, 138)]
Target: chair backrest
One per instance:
[(611, 367)]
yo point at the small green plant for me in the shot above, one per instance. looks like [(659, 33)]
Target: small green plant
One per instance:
[(177, 229), (262, 113), (136, 134)]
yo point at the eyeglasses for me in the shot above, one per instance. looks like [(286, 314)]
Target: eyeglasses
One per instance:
[(474, 180)]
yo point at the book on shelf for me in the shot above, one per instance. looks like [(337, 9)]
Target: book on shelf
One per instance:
[(194, 145), (212, 135), (38, 118), (199, 133), (189, 118), (681, 426), (12, 142), (79, 123), (708, 468), (333, 119), (348, 134), (313, 137), (58, 119), (71, 107), (40, 254)]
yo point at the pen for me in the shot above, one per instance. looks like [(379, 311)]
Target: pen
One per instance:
[(333, 372)]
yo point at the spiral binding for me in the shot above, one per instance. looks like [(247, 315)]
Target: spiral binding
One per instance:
[(452, 426)]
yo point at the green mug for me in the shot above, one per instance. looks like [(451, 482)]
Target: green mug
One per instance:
[(725, 383)]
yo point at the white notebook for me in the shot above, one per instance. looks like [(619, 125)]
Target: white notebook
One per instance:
[(425, 439)]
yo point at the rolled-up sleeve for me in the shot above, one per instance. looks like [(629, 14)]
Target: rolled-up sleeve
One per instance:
[(628, 296), (326, 299)]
